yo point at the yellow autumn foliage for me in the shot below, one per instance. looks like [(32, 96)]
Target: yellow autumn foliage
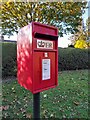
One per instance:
[(19, 13), (81, 44), (82, 41)]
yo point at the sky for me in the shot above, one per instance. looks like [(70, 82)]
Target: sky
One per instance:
[(62, 41)]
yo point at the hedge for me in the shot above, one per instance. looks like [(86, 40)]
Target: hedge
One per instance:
[(68, 59), (73, 58), (8, 59)]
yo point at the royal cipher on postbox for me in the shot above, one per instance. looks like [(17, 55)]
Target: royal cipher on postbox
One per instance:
[(37, 57)]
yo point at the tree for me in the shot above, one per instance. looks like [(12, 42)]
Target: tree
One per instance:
[(88, 26), (73, 38), (81, 41), (66, 16)]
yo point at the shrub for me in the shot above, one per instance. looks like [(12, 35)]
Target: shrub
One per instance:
[(8, 59), (72, 58)]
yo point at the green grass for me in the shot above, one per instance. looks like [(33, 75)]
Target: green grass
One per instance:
[(68, 100)]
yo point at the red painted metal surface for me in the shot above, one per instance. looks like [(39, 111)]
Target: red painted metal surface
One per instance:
[(37, 43)]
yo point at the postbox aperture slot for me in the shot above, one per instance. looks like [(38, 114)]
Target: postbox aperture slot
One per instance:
[(45, 36)]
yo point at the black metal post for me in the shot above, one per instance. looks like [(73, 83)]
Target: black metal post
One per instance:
[(36, 106)]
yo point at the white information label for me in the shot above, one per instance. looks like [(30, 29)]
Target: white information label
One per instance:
[(45, 69), (45, 44)]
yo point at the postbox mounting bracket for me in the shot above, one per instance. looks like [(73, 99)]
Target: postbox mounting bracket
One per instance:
[(46, 36)]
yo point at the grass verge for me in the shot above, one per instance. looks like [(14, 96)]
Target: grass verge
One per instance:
[(68, 100)]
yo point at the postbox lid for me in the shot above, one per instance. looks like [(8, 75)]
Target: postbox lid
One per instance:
[(44, 30)]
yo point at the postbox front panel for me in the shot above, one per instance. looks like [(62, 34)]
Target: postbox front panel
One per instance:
[(44, 70)]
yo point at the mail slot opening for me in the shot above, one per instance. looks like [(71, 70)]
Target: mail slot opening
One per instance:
[(46, 36)]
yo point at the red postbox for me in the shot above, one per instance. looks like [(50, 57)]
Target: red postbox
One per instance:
[(37, 57)]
